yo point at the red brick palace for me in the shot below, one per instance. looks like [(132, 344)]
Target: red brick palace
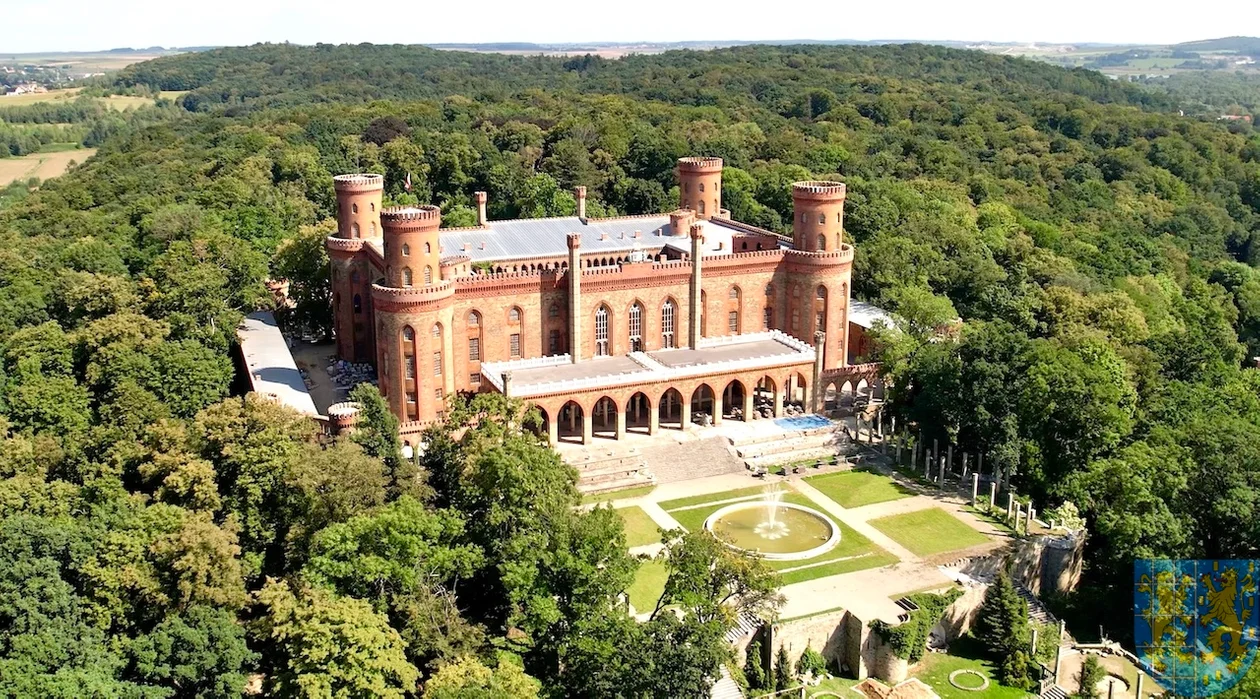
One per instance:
[(610, 325)]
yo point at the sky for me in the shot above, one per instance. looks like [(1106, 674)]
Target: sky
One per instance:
[(28, 26)]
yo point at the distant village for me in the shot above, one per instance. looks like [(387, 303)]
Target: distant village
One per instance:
[(25, 79)]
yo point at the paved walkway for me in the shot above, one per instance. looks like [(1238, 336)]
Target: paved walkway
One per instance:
[(869, 593)]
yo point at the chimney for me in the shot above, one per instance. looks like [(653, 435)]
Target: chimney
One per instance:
[(579, 193), (574, 275), (481, 207), (694, 313)]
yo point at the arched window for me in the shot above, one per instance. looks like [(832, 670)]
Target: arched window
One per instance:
[(838, 215), (822, 242), (406, 276), (636, 328), (354, 208), (686, 186), (428, 274), (373, 224), (514, 315), (701, 202), (409, 335), (733, 294), (406, 250), (474, 319), (554, 311), (437, 330), (428, 248), (668, 312), (821, 293), (822, 218), (357, 302), (769, 289), (701, 186), (354, 230), (601, 331), (372, 206), (354, 276), (409, 371)]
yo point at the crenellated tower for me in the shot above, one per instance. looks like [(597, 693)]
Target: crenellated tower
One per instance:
[(414, 315), (700, 186), (819, 269), (358, 218)]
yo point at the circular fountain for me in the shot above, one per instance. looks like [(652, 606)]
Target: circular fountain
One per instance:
[(773, 529)]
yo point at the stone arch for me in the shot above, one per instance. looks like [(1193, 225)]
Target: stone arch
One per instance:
[(733, 401), (569, 422), (639, 413), (406, 276), (702, 400), (543, 426), (603, 331), (830, 397), (862, 391), (822, 243), (669, 409), (406, 250), (796, 391), (604, 418), (669, 323), (428, 275), (846, 394), (878, 389), (634, 325), (354, 230), (764, 396)]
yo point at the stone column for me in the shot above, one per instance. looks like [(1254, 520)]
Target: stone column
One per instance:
[(975, 488), (1029, 520), (914, 459), (588, 426), (654, 419), (575, 297), (621, 424), (936, 450), (693, 317), (717, 408), (507, 383), (980, 464), (964, 466), (942, 471), (684, 411), (898, 452), (992, 494), (749, 413), (553, 431), (1010, 504), (815, 388), (1014, 520), (950, 451), (778, 402)]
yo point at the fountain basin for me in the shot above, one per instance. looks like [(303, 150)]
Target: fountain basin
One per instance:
[(798, 532)]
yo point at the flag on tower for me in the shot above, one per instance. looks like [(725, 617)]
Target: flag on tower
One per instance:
[(407, 184)]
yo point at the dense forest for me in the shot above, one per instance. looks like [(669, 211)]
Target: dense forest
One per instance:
[(165, 539)]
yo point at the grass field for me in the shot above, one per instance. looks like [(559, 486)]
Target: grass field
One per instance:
[(648, 585), (854, 552), (118, 102), (929, 531), (857, 488), (41, 165), (618, 494), (963, 655), (641, 530)]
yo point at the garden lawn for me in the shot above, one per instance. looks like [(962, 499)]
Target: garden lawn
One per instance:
[(850, 489), (648, 586), (641, 529), (741, 493), (929, 531), (859, 550), (635, 492), (963, 654)]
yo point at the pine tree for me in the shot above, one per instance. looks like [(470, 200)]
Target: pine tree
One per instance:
[(1090, 675), (753, 670), (1003, 629), (782, 670)]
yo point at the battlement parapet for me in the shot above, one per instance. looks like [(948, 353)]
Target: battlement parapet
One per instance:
[(365, 182), (405, 218), (700, 164), (335, 244), (818, 189), (843, 255)]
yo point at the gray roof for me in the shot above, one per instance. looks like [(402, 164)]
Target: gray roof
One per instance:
[(866, 315), (272, 371), (527, 238)]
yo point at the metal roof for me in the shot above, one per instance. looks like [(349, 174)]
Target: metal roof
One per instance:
[(272, 371), (866, 315), (528, 238)]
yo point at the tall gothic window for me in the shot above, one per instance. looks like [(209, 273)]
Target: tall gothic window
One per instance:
[(668, 312), (636, 328), (406, 276), (601, 332)]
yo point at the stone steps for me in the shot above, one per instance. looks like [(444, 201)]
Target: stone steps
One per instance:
[(613, 484), (825, 453)]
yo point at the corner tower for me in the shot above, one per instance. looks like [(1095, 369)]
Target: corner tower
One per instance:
[(412, 252), (359, 205), (817, 216), (700, 186), (358, 218)]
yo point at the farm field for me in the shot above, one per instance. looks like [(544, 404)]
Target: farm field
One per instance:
[(42, 165), (118, 102)]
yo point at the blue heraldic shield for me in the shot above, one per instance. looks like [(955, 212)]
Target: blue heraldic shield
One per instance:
[(1195, 623)]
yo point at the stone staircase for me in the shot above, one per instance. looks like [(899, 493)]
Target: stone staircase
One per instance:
[(774, 450), (605, 474), (1036, 610), (725, 687), (1054, 691)]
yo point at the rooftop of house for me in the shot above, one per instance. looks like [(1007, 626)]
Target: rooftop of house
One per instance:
[(866, 315), (536, 377), (534, 238), (272, 371)]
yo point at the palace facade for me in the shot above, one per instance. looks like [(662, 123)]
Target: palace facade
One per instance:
[(609, 326)]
